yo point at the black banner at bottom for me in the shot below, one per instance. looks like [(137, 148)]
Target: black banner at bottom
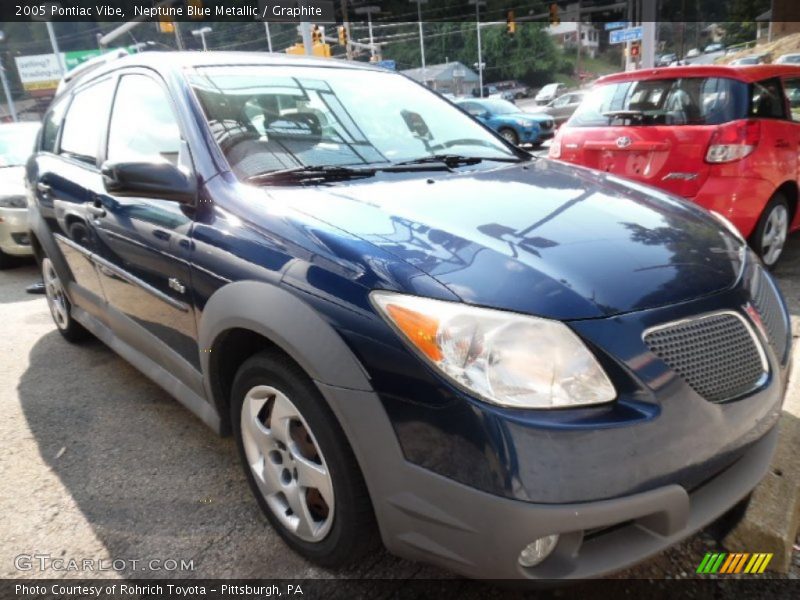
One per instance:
[(255, 589)]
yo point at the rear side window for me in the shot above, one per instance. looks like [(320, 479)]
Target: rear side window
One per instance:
[(85, 123), (792, 89), (767, 100), (51, 126), (683, 101), (143, 126)]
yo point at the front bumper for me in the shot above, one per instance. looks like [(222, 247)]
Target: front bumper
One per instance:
[(528, 135), (424, 516), (14, 238)]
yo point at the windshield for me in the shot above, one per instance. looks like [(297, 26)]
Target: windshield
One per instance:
[(268, 118), (548, 89), (16, 143), (686, 101)]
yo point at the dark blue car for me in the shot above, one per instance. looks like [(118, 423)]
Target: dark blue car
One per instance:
[(417, 334), (516, 126)]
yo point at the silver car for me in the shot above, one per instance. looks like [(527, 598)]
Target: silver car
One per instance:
[(562, 107), (16, 145)]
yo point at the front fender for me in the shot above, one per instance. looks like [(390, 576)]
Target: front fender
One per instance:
[(286, 320)]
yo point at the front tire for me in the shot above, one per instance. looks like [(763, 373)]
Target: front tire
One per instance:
[(769, 237), (510, 136), (59, 304), (298, 462)]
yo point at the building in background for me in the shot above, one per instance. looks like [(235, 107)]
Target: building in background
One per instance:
[(782, 19), (450, 78), (566, 32)]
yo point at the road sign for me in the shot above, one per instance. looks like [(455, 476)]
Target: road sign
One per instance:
[(388, 64), (630, 34), (616, 25)]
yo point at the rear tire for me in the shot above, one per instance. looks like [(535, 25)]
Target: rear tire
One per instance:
[(769, 237), (509, 135), (60, 306), (331, 524)]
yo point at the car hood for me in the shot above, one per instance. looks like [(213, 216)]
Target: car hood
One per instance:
[(545, 238), (534, 116), (12, 181)]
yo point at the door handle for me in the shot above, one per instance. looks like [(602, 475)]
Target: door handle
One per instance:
[(782, 144), (43, 188), (96, 210)]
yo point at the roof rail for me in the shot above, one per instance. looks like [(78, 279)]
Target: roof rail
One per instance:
[(105, 58)]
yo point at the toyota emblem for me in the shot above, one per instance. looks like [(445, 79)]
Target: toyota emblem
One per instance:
[(623, 142)]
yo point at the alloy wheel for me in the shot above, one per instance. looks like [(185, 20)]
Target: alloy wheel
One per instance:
[(509, 136), (774, 236), (54, 292), (287, 463)]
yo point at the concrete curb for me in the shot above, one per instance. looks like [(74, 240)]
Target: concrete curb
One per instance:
[(771, 521)]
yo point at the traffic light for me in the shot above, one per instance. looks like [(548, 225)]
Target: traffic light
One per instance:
[(316, 35), (194, 9), (342, 31), (511, 23), (635, 49), (554, 18), (165, 25)]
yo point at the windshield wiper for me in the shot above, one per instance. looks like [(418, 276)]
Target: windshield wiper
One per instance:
[(453, 160), (313, 173)]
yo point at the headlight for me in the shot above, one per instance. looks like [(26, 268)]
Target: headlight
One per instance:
[(504, 358), (729, 226), (13, 202)]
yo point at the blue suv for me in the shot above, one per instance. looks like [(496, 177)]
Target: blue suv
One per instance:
[(418, 334)]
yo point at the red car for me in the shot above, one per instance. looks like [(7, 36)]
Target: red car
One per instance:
[(727, 138)]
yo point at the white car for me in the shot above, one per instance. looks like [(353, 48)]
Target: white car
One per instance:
[(693, 53), (788, 59), (16, 145)]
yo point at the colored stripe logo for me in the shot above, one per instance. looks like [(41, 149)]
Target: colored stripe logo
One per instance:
[(734, 562)]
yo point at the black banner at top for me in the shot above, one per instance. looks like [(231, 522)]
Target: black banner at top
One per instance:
[(337, 11)]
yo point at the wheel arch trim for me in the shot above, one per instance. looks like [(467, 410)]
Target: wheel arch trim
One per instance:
[(289, 323)]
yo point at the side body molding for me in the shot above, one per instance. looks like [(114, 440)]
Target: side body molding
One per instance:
[(286, 320)]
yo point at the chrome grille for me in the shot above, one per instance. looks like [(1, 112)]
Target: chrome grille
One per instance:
[(767, 302), (718, 355)]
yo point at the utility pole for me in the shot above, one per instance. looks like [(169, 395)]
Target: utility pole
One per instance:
[(477, 4), (11, 108), (419, 4), (176, 26), (346, 24), (368, 10), (648, 19), (305, 31), (202, 33), (54, 43), (580, 42), (269, 37), (9, 99)]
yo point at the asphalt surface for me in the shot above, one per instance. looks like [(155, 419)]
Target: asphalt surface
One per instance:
[(98, 462)]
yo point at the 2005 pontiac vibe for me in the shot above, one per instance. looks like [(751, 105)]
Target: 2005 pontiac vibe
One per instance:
[(506, 366)]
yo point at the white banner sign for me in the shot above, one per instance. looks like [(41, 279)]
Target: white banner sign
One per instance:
[(38, 72)]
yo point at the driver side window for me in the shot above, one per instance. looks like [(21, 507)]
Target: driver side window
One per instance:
[(143, 127)]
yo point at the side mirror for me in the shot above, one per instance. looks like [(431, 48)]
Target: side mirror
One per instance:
[(149, 180)]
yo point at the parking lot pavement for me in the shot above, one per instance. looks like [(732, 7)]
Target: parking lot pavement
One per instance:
[(97, 462)]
